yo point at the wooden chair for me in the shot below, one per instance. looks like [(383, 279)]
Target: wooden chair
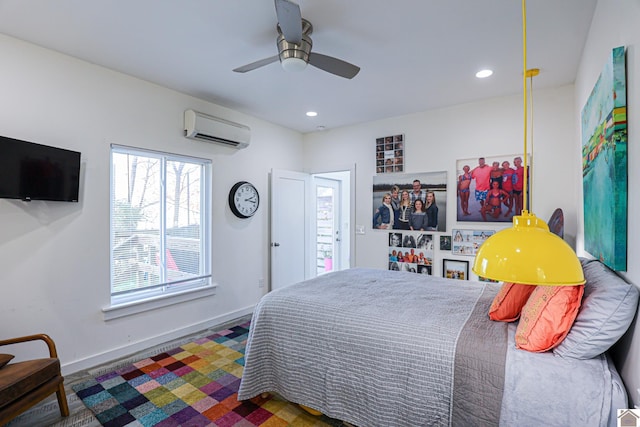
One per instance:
[(23, 384)]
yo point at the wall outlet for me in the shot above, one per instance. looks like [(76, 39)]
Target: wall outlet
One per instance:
[(261, 282)]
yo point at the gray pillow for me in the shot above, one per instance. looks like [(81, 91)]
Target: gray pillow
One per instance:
[(608, 307)]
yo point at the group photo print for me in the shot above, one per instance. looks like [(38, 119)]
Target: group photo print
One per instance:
[(410, 202), (490, 189)]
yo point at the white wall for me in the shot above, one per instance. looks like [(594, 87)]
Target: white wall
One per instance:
[(54, 257), (615, 23), (435, 139)]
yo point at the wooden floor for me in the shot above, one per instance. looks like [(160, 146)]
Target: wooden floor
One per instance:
[(47, 412)]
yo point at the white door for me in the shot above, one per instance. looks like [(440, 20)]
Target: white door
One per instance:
[(290, 227)]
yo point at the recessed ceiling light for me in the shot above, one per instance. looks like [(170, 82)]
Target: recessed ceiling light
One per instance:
[(311, 113), (483, 73)]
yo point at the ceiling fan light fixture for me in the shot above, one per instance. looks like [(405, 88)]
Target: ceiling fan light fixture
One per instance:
[(294, 57), (294, 46), (293, 64)]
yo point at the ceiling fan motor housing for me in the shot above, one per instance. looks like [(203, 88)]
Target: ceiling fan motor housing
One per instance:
[(291, 50)]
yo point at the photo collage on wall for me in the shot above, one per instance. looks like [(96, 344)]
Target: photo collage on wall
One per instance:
[(411, 251), (390, 154), (467, 242)]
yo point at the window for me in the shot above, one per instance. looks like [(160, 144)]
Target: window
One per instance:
[(160, 216)]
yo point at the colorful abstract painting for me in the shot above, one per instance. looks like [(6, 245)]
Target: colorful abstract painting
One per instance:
[(604, 165)]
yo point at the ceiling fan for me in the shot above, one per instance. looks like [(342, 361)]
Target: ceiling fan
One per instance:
[(294, 46)]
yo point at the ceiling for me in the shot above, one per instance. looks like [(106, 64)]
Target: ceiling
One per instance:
[(414, 55)]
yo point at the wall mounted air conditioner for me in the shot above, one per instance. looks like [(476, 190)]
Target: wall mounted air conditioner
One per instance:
[(213, 129)]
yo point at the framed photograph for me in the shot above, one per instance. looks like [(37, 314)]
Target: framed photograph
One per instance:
[(445, 243), (489, 189), (391, 213), (467, 242), (390, 154), (411, 251), (395, 240), (424, 269), (455, 269)]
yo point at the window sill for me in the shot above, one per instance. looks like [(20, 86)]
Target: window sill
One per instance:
[(131, 308)]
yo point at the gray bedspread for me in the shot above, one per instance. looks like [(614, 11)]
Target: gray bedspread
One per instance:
[(377, 348), (386, 348)]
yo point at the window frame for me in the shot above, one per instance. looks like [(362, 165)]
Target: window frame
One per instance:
[(126, 303)]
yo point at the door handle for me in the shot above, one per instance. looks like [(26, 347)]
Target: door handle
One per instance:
[(276, 244)]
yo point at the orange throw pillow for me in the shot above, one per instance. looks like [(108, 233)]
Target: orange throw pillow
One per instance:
[(508, 303), (547, 317)]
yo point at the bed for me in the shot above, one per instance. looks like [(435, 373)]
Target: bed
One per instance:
[(387, 348)]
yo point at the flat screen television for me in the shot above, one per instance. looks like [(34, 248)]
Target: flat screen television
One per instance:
[(30, 171)]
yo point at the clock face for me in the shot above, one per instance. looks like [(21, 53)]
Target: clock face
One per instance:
[(243, 199)]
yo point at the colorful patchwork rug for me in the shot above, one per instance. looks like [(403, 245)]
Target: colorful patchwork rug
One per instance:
[(192, 385)]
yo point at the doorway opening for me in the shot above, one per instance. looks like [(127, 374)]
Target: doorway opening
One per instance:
[(332, 242)]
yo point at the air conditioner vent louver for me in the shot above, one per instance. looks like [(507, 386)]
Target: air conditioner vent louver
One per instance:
[(213, 129), (214, 139)]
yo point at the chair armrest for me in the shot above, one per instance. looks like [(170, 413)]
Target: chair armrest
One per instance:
[(43, 337)]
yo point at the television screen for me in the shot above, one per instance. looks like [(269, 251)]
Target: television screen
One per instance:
[(30, 171)]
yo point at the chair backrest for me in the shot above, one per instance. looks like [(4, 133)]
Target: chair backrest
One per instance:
[(25, 383)]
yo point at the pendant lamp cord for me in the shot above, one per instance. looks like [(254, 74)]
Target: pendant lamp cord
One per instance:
[(526, 172), (524, 85)]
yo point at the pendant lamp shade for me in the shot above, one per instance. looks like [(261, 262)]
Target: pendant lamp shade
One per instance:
[(528, 253)]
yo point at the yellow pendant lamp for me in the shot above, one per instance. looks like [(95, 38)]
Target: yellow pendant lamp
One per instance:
[(528, 253)]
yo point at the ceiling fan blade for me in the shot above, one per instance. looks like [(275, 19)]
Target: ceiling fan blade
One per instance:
[(289, 20), (333, 65), (257, 64)]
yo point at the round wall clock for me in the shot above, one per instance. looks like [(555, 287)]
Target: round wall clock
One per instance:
[(243, 199)]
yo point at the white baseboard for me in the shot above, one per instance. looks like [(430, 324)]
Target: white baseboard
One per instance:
[(120, 352)]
